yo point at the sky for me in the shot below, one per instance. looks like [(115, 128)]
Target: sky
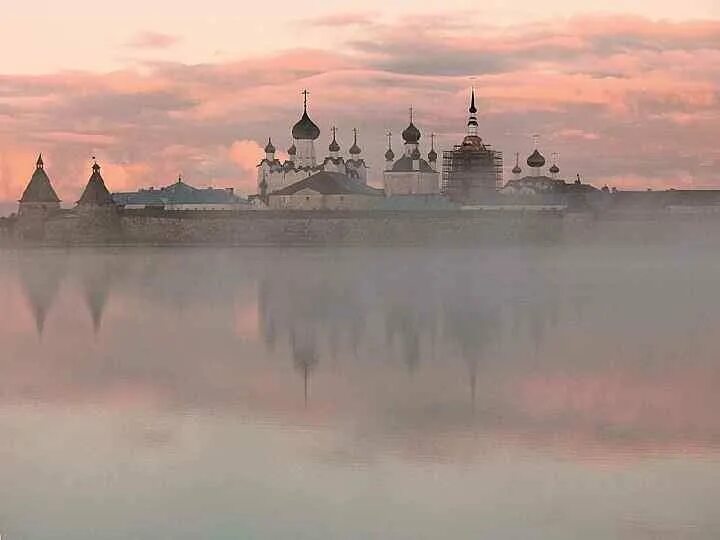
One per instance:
[(626, 94)]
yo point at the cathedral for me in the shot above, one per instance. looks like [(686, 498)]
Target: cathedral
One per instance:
[(302, 162)]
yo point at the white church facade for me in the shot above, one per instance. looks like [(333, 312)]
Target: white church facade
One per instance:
[(411, 174), (274, 175)]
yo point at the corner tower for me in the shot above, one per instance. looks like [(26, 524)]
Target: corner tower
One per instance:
[(39, 198)]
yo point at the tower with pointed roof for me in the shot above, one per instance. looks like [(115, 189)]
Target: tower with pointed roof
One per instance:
[(472, 171), (410, 174), (98, 213), (95, 194), (39, 198)]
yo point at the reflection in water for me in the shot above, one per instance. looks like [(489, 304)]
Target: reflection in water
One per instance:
[(506, 372), (41, 274)]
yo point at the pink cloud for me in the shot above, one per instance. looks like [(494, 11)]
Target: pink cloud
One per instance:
[(153, 40), (633, 86)]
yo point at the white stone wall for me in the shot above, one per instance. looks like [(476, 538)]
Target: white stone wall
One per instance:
[(311, 200), (411, 183)]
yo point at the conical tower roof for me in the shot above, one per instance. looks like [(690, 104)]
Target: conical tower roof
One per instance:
[(96, 193), (39, 189)]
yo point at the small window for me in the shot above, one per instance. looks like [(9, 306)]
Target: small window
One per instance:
[(307, 198)]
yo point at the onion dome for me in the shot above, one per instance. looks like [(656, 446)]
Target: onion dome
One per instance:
[(432, 155), (415, 155), (554, 169), (355, 149), (334, 146), (389, 155), (411, 135), (39, 189), (292, 150), (305, 129), (536, 160), (516, 169), (270, 149)]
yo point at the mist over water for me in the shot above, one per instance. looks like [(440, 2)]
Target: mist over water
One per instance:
[(508, 392)]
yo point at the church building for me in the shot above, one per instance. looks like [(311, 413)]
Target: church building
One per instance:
[(302, 162), (411, 174)]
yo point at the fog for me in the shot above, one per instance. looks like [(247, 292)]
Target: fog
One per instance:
[(507, 392)]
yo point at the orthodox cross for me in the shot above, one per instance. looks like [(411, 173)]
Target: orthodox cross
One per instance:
[(536, 139), (334, 131), (411, 114), (355, 132), (432, 141), (305, 93), (389, 136)]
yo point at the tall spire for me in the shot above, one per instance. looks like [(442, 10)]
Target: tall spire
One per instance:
[(40, 164), (472, 125)]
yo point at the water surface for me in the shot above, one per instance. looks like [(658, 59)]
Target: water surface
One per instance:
[(505, 393)]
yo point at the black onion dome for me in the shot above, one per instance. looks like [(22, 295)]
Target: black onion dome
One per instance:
[(389, 155), (432, 156), (554, 169), (334, 146), (516, 169), (411, 135), (305, 129), (536, 160), (270, 149), (355, 150), (415, 155), (292, 150)]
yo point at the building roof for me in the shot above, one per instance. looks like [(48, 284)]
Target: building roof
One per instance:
[(96, 193), (331, 183), (411, 134), (536, 160), (405, 164), (305, 129), (177, 193), (39, 189)]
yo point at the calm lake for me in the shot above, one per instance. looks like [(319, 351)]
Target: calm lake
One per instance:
[(501, 393)]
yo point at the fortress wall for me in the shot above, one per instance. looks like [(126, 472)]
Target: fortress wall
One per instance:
[(268, 228)]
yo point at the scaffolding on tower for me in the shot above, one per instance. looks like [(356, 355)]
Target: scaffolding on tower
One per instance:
[(472, 172)]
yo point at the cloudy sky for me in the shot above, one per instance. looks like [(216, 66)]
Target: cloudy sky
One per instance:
[(626, 93)]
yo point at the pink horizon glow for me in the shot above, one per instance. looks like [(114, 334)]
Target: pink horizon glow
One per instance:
[(628, 101)]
